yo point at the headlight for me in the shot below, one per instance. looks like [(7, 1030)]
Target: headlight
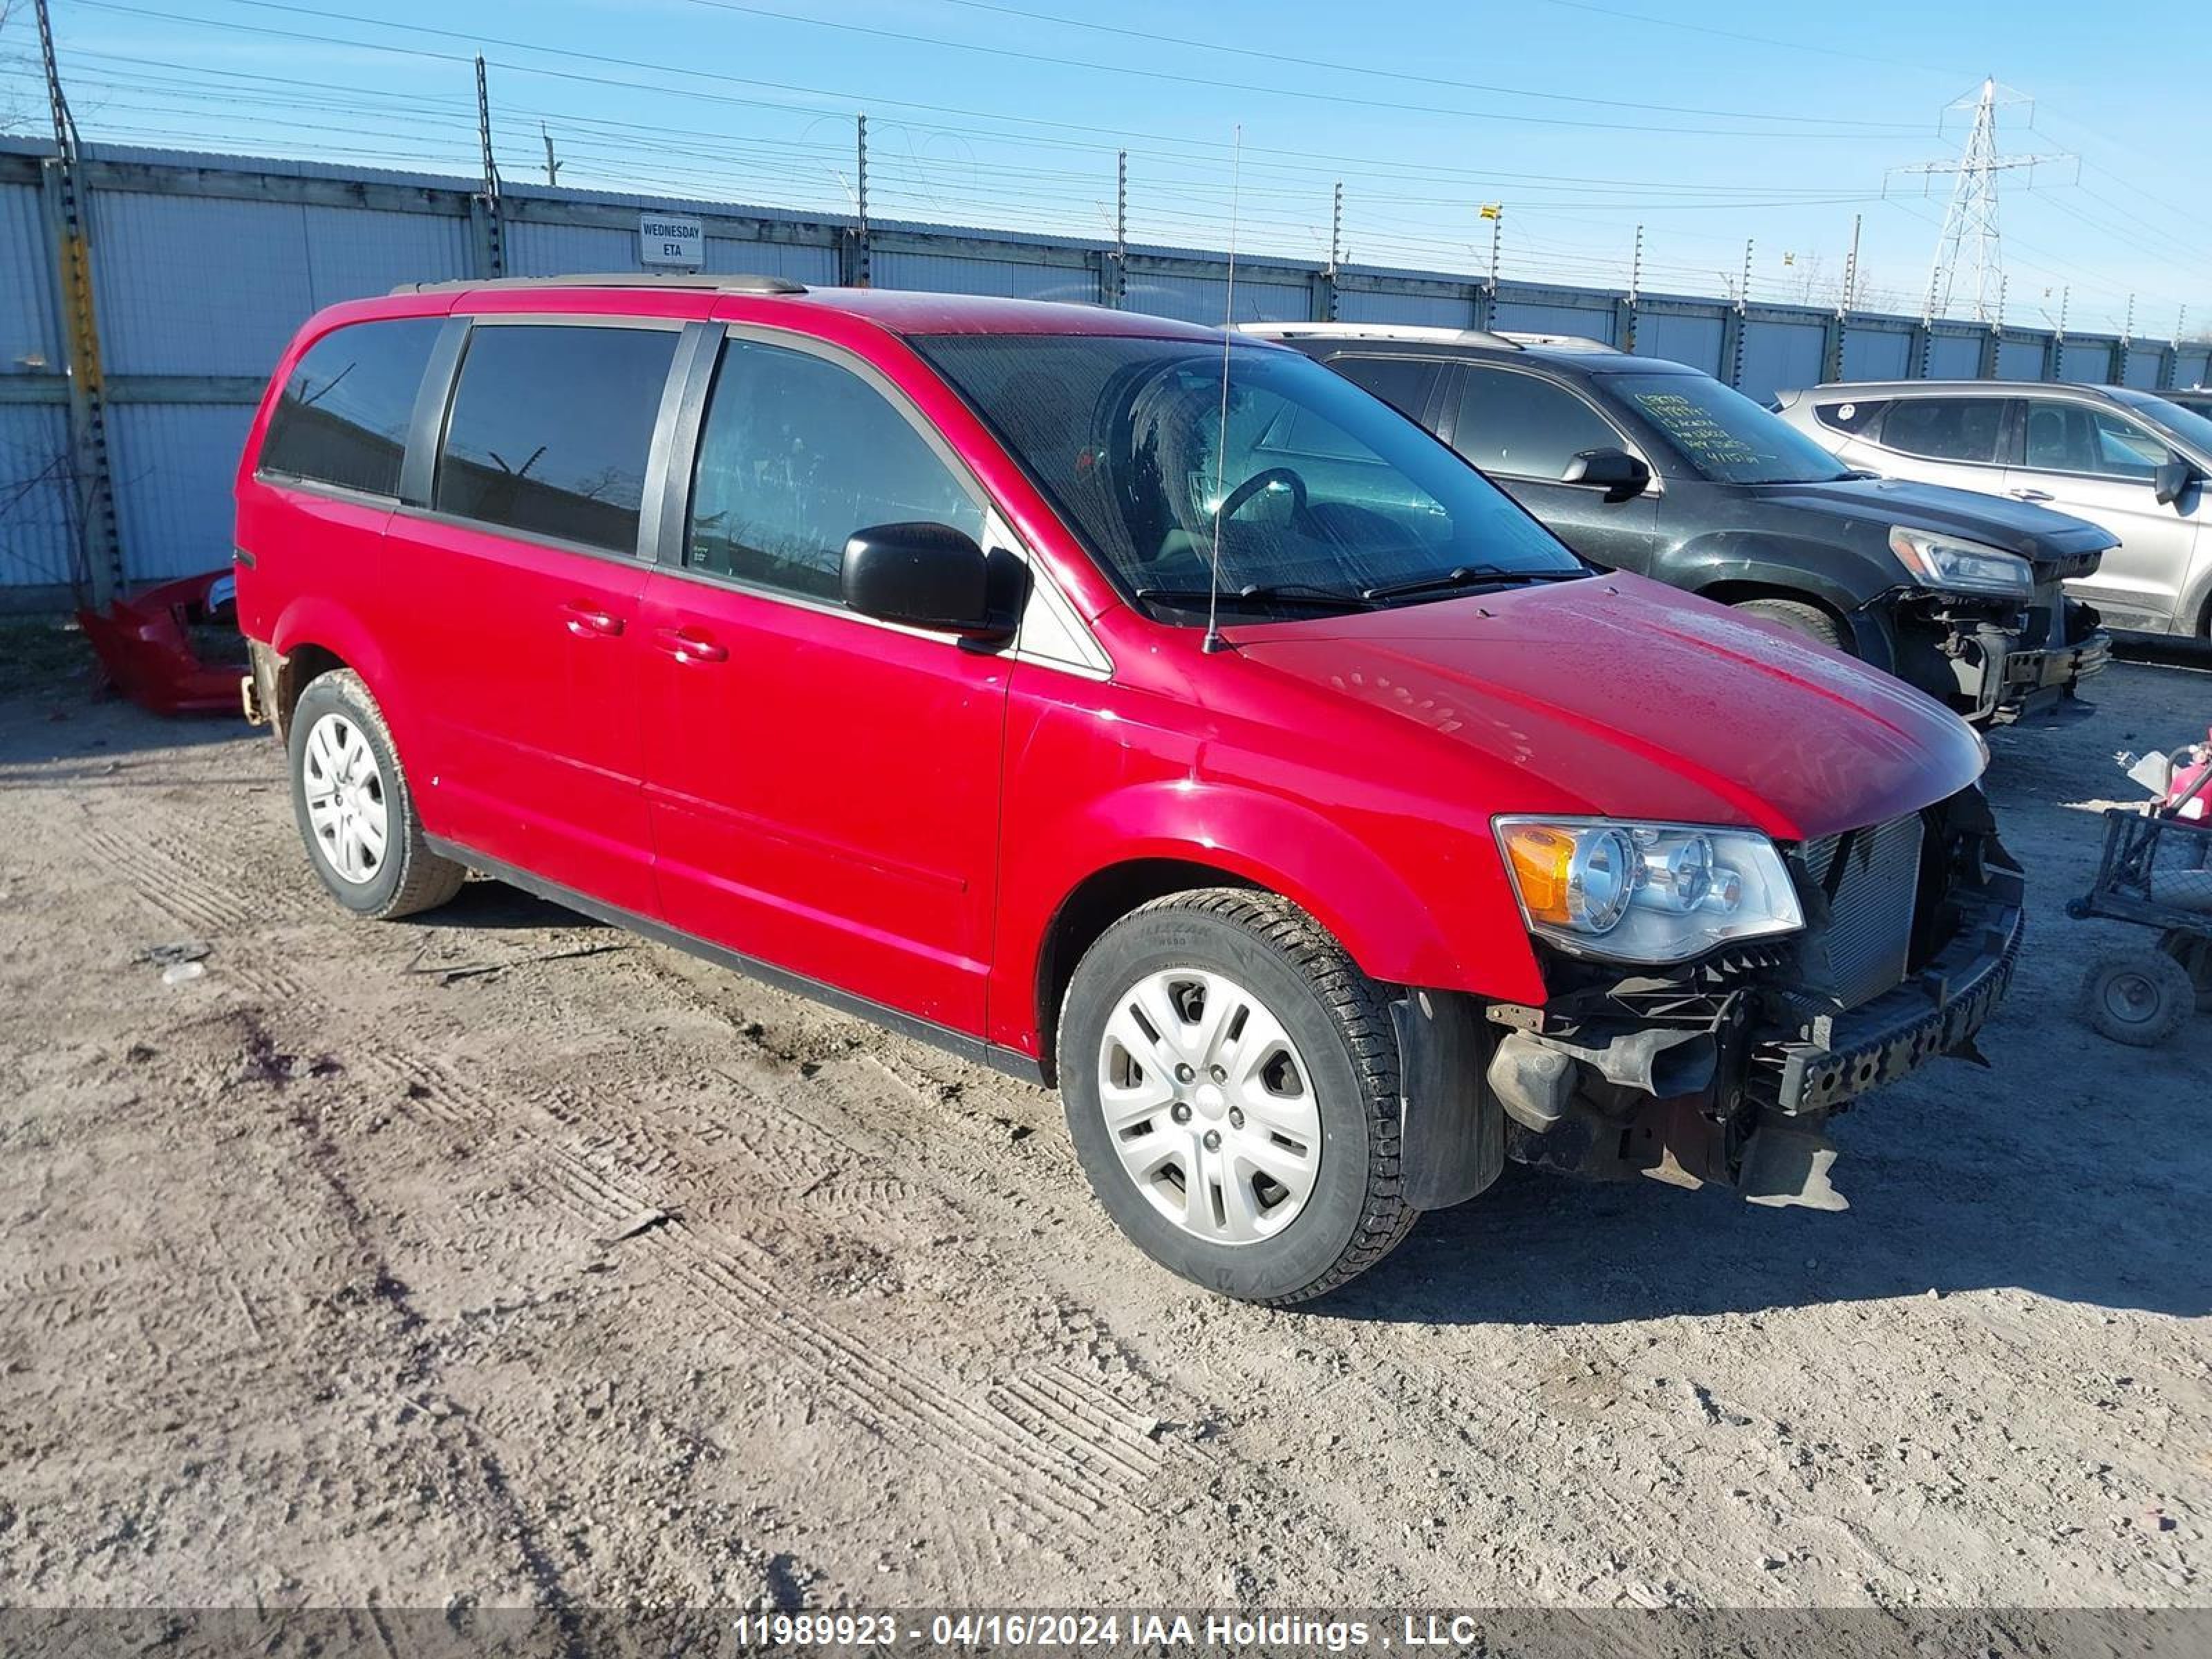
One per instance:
[(1937, 560), (1645, 892)]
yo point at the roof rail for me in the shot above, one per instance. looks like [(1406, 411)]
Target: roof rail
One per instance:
[(714, 282), (1409, 331), (1560, 342)]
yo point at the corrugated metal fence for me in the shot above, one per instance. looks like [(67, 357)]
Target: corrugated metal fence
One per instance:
[(204, 266)]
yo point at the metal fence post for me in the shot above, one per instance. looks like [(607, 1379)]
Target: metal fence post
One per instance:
[(858, 259), (1114, 270), (1624, 325), (1324, 284), (100, 545), (68, 217), (1734, 324), (485, 216)]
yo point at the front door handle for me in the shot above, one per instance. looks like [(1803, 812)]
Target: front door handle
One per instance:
[(689, 645), (2030, 494), (587, 621)]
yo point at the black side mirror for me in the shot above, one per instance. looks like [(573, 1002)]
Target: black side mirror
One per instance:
[(1617, 472), (923, 575), (2173, 476)]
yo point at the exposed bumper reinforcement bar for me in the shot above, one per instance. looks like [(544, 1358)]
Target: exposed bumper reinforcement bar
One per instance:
[(1834, 1057)]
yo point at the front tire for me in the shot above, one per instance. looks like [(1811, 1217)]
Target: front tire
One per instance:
[(1231, 1078), (354, 808), (1808, 621)]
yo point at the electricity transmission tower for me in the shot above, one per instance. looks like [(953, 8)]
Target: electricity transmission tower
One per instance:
[(1970, 246)]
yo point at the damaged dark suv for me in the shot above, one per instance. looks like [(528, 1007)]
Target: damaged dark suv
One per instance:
[(1650, 466)]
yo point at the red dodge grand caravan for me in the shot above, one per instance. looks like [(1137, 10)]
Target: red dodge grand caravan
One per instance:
[(1146, 713)]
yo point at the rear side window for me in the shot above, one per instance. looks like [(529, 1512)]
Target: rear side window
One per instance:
[(1946, 428), (341, 418), (550, 430), (1401, 382), (797, 454), (1525, 427)]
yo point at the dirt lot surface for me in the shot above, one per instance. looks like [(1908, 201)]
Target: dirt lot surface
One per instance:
[(497, 1258)]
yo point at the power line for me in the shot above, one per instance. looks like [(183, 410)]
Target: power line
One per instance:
[(1384, 166), (1649, 21), (1328, 65), (1212, 84)]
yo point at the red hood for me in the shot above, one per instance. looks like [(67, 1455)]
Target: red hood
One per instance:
[(1641, 702)]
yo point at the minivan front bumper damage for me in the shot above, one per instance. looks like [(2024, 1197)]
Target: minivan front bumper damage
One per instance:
[(1732, 1083)]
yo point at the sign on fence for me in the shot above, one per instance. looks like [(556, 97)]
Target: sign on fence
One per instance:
[(677, 243)]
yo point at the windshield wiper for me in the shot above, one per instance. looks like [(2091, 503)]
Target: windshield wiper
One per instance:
[(1299, 593), (1467, 575)]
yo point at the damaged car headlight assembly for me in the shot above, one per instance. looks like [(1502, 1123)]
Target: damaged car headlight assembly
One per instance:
[(1645, 892), (1961, 567)]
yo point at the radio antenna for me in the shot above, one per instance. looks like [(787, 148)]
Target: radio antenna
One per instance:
[(1213, 641)]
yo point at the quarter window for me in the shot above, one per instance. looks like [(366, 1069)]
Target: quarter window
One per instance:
[(797, 454), (1401, 382), (1854, 417), (1946, 428), (342, 416), (2065, 437), (551, 428), (1525, 427)]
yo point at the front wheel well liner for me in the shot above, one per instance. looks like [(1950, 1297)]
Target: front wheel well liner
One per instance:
[(1101, 899)]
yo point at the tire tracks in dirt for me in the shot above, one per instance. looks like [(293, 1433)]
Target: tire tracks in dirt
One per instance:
[(1054, 1442)]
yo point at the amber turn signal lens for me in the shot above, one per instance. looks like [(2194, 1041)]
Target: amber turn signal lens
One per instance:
[(1542, 857)]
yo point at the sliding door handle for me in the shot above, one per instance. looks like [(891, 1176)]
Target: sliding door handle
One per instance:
[(689, 645)]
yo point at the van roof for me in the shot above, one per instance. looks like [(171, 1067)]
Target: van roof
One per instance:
[(899, 311)]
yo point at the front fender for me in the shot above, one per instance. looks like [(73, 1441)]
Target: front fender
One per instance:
[(1471, 938)]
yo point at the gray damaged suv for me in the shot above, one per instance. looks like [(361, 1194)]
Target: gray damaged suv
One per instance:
[(2131, 461), (1647, 465)]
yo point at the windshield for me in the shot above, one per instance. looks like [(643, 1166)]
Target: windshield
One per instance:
[(1721, 434), (1326, 496), (2186, 424)]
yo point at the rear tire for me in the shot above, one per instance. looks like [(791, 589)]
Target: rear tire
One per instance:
[(2137, 996), (1206, 1113), (1808, 621), (354, 808)]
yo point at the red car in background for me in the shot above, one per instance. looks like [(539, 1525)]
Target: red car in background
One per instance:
[(1141, 711)]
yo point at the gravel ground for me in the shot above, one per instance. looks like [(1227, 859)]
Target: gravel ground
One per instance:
[(499, 1259)]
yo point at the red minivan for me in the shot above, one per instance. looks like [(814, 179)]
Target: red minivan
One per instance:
[(1145, 712)]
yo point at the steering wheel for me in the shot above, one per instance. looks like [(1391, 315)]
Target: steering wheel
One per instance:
[(1236, 499)]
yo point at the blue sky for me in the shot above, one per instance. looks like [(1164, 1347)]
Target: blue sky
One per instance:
[(1583, 118)]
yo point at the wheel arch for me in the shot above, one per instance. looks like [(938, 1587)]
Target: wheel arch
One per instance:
[(314, 637), (1730, 573), (1095, 903), (1077, 877)]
